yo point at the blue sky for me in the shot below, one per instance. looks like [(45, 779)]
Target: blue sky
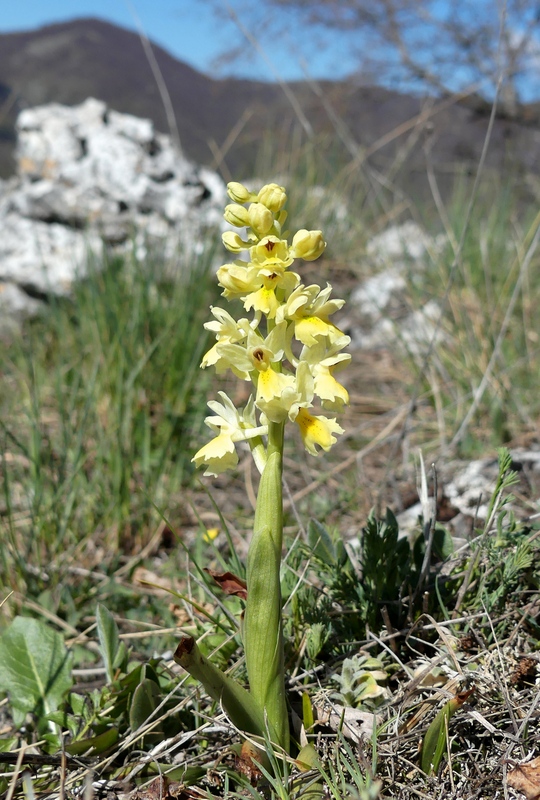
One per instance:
[(188, 30)]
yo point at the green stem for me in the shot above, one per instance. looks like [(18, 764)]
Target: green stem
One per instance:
[(263, 635)]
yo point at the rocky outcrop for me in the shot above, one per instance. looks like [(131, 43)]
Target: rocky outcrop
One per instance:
[(466, 489), (380, 314), (89, 178)]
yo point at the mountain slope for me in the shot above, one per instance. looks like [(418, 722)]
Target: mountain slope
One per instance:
[(71, 61)]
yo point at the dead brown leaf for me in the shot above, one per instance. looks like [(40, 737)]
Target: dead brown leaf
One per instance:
[(229, 583), (525, 778), (248, 761)]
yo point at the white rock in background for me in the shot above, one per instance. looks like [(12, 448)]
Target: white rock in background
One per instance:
[(116, 157), (381, 315), (468, 487), (14, 305), (402, 243), (88, 175), (45, 257), (413, 332), (46, 139), (47, 200), (375, 294)]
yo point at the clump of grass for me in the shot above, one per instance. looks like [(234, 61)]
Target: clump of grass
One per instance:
[(101, 400), (479, 374)]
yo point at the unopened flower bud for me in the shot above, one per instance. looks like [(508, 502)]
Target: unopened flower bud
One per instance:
[(238, 193), (236, 215), (261, 218), (272, 196), (233, 242), (308, 245)]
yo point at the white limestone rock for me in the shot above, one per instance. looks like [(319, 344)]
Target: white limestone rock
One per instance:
[(104, 164), (468, 488), (47, 258), (88, 177), (380, 309), (15, 306), (402, 243), (375, 294)]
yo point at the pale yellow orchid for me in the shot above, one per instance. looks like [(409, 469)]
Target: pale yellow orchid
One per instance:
[(234, 242), (309, 308), (227, 330), (273, 282), (236, 215), (271, 250), (317, 431), (272, 196), (322, 361), (285, 384), (256, 353), (239, 279), (220, 454), (308, 245), (239, 194), (276, 393), (282, 394), (260, 219)]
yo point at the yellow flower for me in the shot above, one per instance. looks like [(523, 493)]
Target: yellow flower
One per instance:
[(238, 192), (260, 219), (219, 454), (317, 430), (255, 353), (280, 395), (264, 299), (210, 534), (256, 286), (236, 215), (285, 383), (276, 392), (239, 279), (272, 196), (234, 242), (332, 393), (308, 245), (322, 361), (271, 250), (309, 308), (227, 329)]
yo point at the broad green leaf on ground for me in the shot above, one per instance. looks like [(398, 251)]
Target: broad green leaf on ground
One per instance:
[(112, 649), (35, 666), (98, 744), (144, 702)]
